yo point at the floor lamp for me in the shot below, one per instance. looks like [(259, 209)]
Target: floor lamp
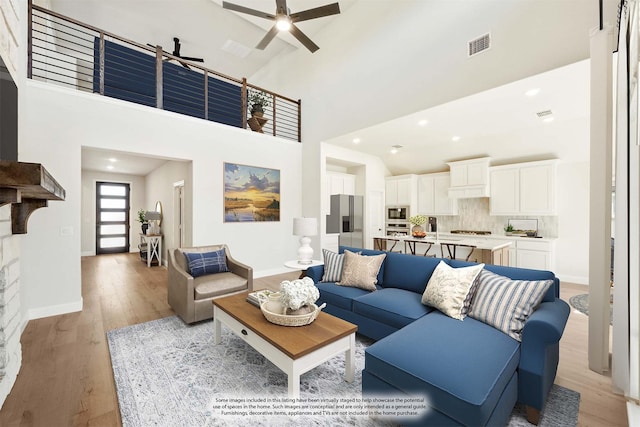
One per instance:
[(305, 227)]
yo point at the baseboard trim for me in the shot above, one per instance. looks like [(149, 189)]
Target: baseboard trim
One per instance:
[(578, 280), (55, 310)]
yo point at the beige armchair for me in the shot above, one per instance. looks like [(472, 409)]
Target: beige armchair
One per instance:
[(191, 297)]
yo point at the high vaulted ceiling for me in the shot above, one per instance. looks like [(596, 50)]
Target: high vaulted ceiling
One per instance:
[(500, 122)]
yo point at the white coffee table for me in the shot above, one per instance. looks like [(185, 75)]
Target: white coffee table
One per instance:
[(293, 349)]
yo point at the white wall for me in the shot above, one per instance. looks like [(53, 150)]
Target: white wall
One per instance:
[(59, 122), (88, 203), (160, 187), (572, 247)]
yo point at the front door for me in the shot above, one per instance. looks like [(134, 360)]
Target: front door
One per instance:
[(112, 218)]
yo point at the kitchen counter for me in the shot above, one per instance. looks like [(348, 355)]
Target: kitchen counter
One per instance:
[(494, 251)]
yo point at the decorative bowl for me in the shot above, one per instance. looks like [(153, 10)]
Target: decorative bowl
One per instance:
[(419, 234), (291, 320)]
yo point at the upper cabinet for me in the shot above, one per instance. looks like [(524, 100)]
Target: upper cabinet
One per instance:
[(401, 190), (469, 178), (433, 195), (338, 183), (341, 183), (523, 189)]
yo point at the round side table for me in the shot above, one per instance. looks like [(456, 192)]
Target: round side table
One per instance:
[(293, 264)]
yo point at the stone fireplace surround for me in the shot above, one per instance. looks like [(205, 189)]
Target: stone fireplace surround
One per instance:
[(10, 348)]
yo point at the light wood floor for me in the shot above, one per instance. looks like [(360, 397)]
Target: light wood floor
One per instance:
[(66, 377)]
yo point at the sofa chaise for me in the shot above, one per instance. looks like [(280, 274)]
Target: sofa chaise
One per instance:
[(470, 373)]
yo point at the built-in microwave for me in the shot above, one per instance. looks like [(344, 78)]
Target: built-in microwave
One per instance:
[(398, 213)]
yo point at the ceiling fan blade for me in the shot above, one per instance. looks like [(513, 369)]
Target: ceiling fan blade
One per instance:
[(281, 7), (267, 38), (318, 12), (189, 58), (242, 9), (302, 38)]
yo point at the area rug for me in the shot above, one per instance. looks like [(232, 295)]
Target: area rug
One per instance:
[(168, 374), (581, 303)]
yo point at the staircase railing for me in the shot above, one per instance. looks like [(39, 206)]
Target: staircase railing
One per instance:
[(64, 51)]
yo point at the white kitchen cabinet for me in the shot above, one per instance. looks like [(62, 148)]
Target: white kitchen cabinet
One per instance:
[(504, 196), (338, 183), (538, 188), (433, 195), (401, 191), (535, 254), (469, 178), (523, 189)]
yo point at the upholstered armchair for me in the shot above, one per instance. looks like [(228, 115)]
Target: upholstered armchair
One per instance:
[(189, 296)]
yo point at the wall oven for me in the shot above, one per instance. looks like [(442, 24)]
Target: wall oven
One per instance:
[(398, 228), (398, 213)]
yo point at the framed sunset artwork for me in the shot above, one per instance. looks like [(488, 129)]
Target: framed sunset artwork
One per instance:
[(251, 193)]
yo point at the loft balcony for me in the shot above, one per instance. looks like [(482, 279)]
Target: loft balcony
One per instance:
[(67, 52)]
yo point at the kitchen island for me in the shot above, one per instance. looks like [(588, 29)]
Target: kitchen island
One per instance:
[(469, 248)]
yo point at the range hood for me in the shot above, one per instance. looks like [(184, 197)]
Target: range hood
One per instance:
[(27, 186)]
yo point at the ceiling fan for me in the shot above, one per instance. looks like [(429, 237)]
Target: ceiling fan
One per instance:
[(176, 52), (284, 20)]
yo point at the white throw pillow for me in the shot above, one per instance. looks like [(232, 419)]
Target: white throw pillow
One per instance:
[(506, 304), (449, 287), (361, 271)]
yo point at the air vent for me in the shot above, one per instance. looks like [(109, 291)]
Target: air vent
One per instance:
[(397, 146), (544, 113), (479, 45), (237, 49)]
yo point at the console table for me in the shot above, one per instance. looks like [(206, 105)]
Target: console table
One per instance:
[(152, 245)]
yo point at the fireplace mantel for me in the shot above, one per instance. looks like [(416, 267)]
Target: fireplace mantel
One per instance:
[(27, 186)]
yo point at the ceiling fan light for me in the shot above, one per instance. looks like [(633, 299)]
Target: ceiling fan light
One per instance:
[(283, 23)]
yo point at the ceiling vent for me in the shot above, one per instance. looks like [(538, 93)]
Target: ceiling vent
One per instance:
[(544, 113), (479, 45), (237, 49)]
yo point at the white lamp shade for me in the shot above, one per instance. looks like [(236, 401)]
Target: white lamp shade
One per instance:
[(305, 226)]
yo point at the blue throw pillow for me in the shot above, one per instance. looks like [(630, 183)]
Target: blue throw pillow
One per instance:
[(201, 263)]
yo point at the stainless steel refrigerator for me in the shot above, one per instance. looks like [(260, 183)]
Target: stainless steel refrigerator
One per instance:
[(346, 218)]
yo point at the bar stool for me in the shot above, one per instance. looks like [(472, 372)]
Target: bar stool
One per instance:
[(451, 250)]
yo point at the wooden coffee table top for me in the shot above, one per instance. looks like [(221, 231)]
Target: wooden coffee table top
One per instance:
[(294, 341)]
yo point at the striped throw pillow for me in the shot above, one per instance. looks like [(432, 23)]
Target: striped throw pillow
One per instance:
[(506, 304), (333, 264)]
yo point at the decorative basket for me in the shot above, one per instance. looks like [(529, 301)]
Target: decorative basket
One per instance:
[(291, 320)]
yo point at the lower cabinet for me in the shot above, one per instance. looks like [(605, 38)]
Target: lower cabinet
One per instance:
[(537, 255)]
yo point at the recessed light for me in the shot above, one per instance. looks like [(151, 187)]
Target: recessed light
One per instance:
[(356, 140), (532, 92), (113, 160), (110, 167), (548, 119), (394, 150), (455, 138), (423, 122)]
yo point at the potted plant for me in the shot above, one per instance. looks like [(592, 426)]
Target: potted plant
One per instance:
[(142, 220), (508, 230), (417, 221), (258, 99)]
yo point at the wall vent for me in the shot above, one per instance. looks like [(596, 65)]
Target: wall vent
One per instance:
[(544, 113), (479, 45)]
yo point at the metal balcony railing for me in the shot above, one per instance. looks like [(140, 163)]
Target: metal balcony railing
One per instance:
[(70, 53)]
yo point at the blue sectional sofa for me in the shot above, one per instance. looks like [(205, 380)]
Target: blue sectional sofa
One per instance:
[(471, 373)]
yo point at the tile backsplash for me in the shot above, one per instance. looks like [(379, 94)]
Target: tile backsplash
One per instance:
[(473, 214)]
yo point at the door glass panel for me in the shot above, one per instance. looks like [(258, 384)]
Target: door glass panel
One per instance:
[(112, 216), (112, 242), (112, 203), (112, 229), (112, 190)]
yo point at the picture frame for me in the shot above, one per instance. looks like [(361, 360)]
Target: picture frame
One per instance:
[(251, 193)]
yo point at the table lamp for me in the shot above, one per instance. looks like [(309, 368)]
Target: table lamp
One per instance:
[(152, 217), (305, 227)]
